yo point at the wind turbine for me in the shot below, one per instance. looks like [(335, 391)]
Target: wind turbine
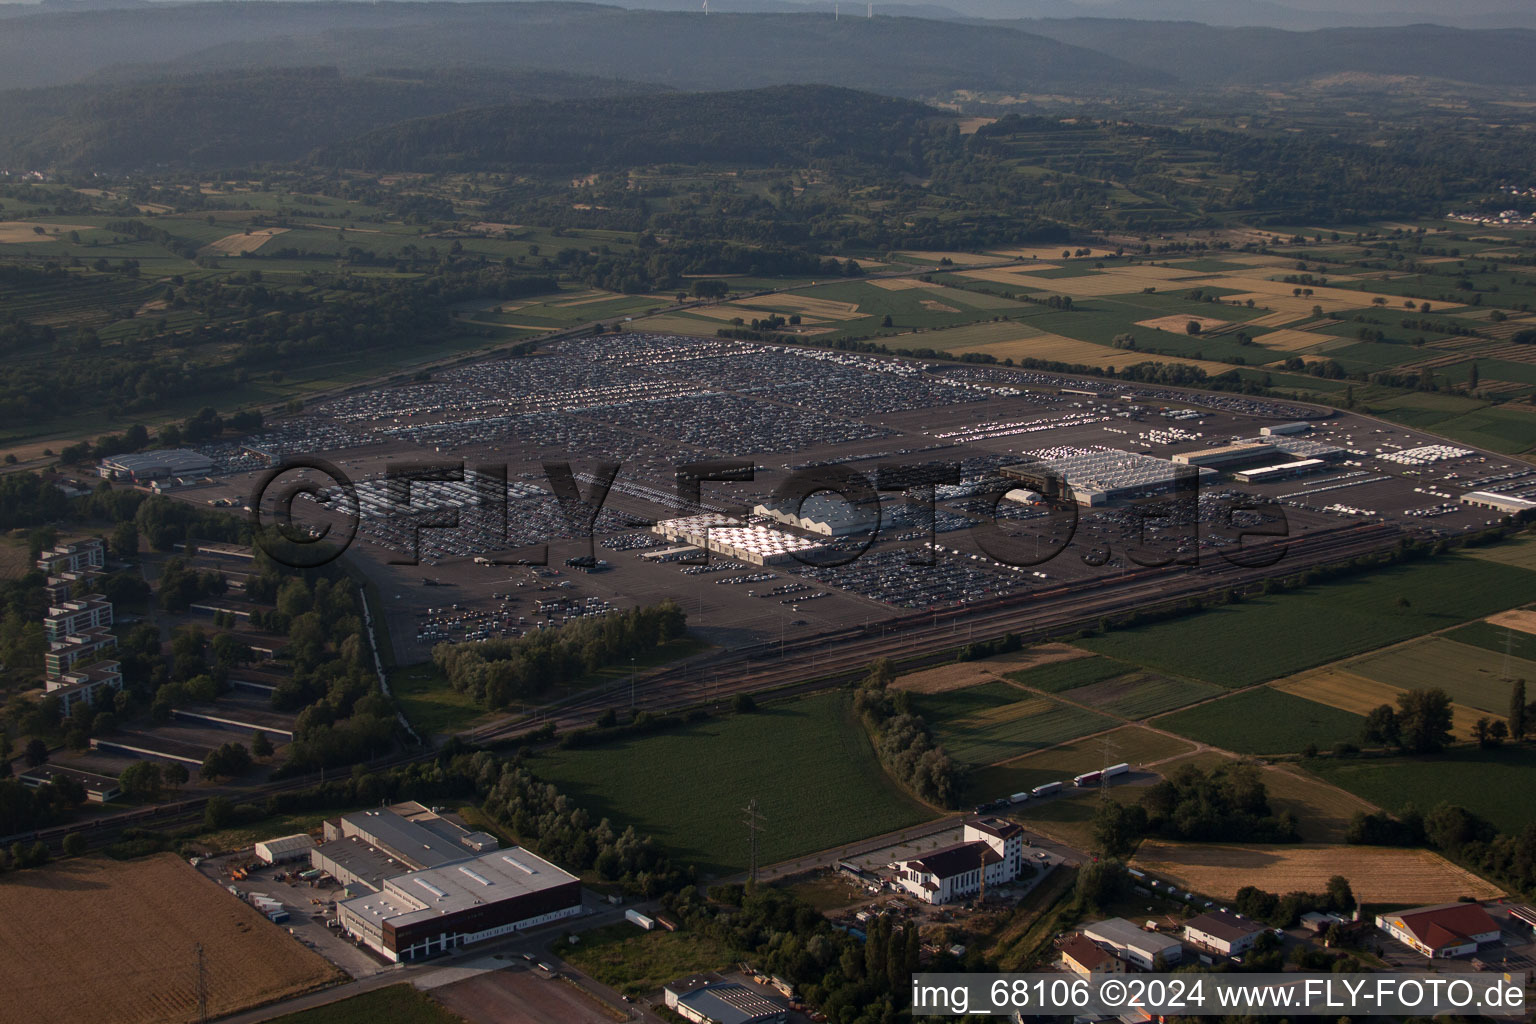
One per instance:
[(706, 8), (871, 13)]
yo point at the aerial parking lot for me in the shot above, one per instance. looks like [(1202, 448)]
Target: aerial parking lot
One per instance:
[(654, 403)]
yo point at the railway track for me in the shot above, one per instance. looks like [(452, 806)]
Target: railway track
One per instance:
[(834, 658), (816, 663)]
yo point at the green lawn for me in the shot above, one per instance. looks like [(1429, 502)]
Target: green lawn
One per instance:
[(1264, 721), (394, 1004), (1064, 675), (1268, 637), (635, 962), (809, 764), (1495, 784), (984, 724)]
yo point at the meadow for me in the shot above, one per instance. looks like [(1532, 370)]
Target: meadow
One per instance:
[(1065, 675), (1132, 744), (636, 963), (1142, 694), (397, 1004), (1318, 624), (687, 787), (1492, 783), (1495, 638), (1264, 720), (987, 723)]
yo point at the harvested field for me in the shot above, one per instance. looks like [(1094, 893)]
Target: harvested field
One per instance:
[(827, 308), (1522, 619), (1058, 348), (900, 284), (21, 232), (233, 245), (1290, 340), (136, 924), (935, 306), (945, 678), (959, 259), (1322, 811), (1337, 687), (1179, 323), (517, 994), (1376, 874)]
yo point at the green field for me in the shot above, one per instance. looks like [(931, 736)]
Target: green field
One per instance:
[(984, 724), (636, 962), (395, 1004), (430, 702), (1276, 635), (1492, 783), (1132, 744), (1264, 721), (1497, 638), (1472, 676), (1064, 675), (809, 764), (1142, 694), (1521, 551)]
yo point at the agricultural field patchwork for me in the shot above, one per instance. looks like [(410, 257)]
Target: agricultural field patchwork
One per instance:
[(1337, 619), (687, 787), (1376, 874), (1068, 674), (1473, 676), (136, 923), (1132, 744), (988, 723), (1338, 687), (1142, 694)]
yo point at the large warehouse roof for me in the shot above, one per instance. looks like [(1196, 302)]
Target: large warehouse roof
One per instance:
[(488, 878), (162, 462)]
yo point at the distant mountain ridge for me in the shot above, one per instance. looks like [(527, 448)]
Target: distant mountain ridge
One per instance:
[(238, 119)]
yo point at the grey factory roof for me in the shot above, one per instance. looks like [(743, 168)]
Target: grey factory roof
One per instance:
[(488, 878), (731, 1003), (169, 461), (362, 859), (413, 842)]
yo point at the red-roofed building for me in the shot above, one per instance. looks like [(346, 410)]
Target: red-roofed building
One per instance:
[(1082, 955), (1450, 929)]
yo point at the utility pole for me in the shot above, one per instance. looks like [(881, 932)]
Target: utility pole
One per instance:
[(1509, 638), (202, 986), (981, 897), (631, 684), (754, 823), (1109, 747)]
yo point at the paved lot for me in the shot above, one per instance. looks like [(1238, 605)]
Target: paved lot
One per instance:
[(306, 917)]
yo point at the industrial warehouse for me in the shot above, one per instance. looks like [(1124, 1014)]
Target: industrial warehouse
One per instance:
[(420, 884)]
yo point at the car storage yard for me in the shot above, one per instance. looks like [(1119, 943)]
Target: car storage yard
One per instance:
[(652, 403)]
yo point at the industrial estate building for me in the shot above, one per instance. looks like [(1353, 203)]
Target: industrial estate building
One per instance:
[(730, 537), (99, 789), (991, 852), (285, 848), (421, 884), (1447, 929), (1222, 931), (1103, 478), (1508, 504), (823, 513), (163, 464), (1137, 946), (711, 999)]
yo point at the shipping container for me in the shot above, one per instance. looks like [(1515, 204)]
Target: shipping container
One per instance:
[(1045, 790), (1116, 769), (1018, 798), (637, 918)]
